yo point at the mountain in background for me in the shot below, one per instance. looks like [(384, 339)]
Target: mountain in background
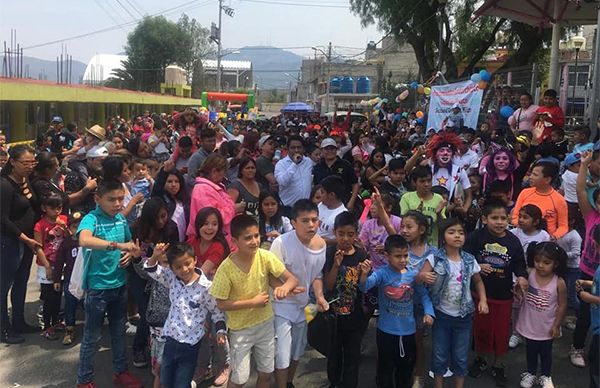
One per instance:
[(269, 65), (46, 70)]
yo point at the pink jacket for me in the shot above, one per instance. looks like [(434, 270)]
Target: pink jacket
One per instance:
[(207, 193)]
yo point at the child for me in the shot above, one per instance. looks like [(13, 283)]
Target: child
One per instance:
[(568, 188), (571, 243), (105, 233), (271, 223), (423, 200), (317, 194), (65, 260), (500, 255), (396, 326), (303, 253), (592, 297), (542, 194), (543, 309), (581, 139), (549, 116), (160, 145), (142, 182), (331, 206), (473, 215), (450, 272), (500, 190), (341, 275), (190, 306), (394, 184), (49, 231), (240, 287), (561, 145)]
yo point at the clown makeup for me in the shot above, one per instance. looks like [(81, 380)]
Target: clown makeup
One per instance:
[(444, 155), (501, 161)]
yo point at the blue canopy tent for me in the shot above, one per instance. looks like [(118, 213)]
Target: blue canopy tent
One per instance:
[(297, 107)]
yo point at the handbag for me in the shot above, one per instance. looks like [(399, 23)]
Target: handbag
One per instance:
[(77, 282), (321, 332)]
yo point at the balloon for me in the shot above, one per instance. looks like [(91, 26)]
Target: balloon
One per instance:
[(397, 110), (414, 85), (485, 75), (482, 85), (506, 111), (427, 90), (420, 120), (476, 78), (420, 114), (404, 115), (420, 89), (404, 95)]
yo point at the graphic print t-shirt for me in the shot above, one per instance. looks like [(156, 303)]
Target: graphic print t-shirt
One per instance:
[(450, 303)]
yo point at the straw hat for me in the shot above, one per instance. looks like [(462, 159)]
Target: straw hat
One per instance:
[(97, 131)]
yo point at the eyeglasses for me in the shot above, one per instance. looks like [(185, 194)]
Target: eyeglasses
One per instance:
[(27, 162)]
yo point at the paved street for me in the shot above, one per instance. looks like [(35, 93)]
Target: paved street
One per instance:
[(39, 363)]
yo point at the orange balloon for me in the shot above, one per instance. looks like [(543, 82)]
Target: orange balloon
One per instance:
[(420, 114), (482, 85), (420, 89)]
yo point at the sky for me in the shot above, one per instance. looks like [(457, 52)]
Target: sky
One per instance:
[(256, 22)]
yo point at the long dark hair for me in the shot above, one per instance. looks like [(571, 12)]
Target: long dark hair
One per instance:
[(182, 196), (550, 250), (275, 221), (15, 152), (113, 167), (201, 218), (147, 221), (44, 162), (243, 163)]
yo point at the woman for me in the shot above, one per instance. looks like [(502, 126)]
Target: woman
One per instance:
[(523, 119), (119, 141), (375, 171), (117, 168), (245, 190), (139, 149), (17, 218), (210, 191), (170, 187)]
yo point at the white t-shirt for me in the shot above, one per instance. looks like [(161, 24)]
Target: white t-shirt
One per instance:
[(468, 160), (327, 218), (160, 148), (569, 183), (443, 177), (179, 218), (450, 303), (526, 239)]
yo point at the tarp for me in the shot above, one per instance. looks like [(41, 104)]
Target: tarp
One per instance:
[(297, 107), (466, 94)]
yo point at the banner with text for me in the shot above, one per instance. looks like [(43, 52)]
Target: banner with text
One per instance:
[(466, 94)]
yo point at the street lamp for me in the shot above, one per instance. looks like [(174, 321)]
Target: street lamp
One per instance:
[(328, 56), (577, 44)]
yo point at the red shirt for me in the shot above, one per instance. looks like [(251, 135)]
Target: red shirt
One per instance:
[(556, 118), (53, 234), (215, 253)]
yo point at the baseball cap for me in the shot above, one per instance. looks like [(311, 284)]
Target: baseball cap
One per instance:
[(97, 152), (455, 106), (264, 139), (57, 119), (329, 142), (572, 158)]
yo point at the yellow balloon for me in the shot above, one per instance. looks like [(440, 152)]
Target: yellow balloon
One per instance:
[(427, 90)]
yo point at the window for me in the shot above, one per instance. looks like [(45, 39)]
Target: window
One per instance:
[(582, 75)]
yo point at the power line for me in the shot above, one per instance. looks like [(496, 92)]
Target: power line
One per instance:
[(126, 9), (317, 5), (135, 8)]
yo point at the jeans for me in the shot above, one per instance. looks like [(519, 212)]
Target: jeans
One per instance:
[(15, 265), (572, 300), (594, 362), (583, 321), (113, 303), (137, 286), (71, 304), (178, 364), (396, 357), (344, 355), (451, 339), (543, 349)]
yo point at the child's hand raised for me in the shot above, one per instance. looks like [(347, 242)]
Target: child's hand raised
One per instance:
[(261, 299), (160, 250), (427, 320), (365, 266)]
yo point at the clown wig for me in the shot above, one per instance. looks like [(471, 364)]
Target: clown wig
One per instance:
[(443, 139)]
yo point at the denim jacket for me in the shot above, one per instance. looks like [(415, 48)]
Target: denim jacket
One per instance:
[(442, 269)]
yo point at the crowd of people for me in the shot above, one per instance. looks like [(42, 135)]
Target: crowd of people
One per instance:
[(209, 240)]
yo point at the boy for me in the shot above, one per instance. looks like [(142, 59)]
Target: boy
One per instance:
[(542, 194), (581, 136), (500, 190), (396, 323), (241, 286), (303, 253), (341, 277), (500, 255), (394, 184), (191, 305), (593, 298), (331, 206), (549, 116), (105, 236), (142, 182), (424, 200), (561, 146)]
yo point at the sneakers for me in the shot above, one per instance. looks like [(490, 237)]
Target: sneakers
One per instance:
[(60, 326), (130, 329), (576, 357), (514, 341), (418, 383), (528, 380), (10, 338), (447, 374), (69, 335), (126, 380), (499, 376), (479, 366), (224, 376), (49, 334), (546, 382), (139, 359), (91, 384)]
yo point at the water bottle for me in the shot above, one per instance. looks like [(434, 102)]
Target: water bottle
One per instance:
[(277, 155)]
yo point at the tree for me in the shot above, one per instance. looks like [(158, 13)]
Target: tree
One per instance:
[(195, 46)]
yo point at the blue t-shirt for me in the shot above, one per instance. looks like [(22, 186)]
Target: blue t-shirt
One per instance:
[(594, 308), (396, 299), (102, 271)]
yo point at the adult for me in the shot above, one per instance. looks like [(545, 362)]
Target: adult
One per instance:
[(375, 172), (208, 141), (500, 165), (170, 186), (119, 141), (523, 119), (265, 169), (181, 158), (293, 174), (92, 137), (139, 148), (17, 218), (210, 191), (363, 148), (331, 164), (245, 190), (465, 156), (81, 172)]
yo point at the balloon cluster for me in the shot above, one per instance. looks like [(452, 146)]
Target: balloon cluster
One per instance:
[(482, 78), (376, 103), (405, 90)]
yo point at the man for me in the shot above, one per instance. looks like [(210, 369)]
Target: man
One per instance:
[(293, 174), (62, 138), (265, 170), (330, 164), (80, 172), (455, 119), (208, 142), (465, 157)]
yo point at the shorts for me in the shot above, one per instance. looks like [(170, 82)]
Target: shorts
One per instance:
[(492, 331), (260, 340), (290, 341), (157, 348)]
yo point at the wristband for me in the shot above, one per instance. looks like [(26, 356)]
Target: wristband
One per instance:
[(112, 246)]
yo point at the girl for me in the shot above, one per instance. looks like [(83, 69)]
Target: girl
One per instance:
[(449, 273), (414, 228), (271, 223), (571, 243), (49, 231), (375, 172), (543, 309), (530, 229), (245, 190), (170, 186), (500, 165)]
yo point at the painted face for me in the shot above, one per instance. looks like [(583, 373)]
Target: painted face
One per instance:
[(444, 155), (501, 161)]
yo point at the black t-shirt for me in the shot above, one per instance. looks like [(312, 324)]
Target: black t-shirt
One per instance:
[(504, 254), (350, 302), (63, 139), (16, 212), (75, 181), (341, 168)]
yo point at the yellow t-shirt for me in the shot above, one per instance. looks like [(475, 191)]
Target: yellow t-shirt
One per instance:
[(231, 283)]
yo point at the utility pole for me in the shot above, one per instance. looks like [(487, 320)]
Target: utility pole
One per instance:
[(328, 76), (219, 48)]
